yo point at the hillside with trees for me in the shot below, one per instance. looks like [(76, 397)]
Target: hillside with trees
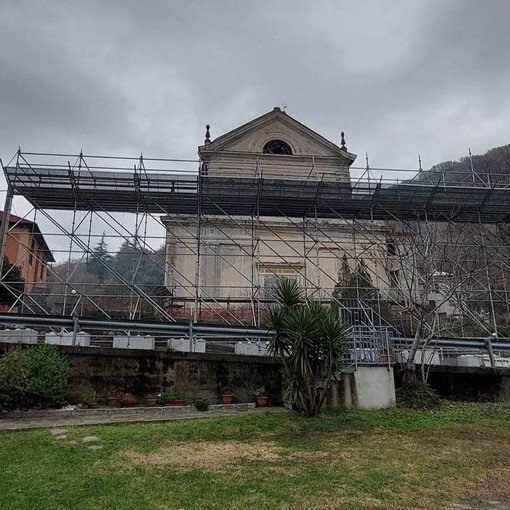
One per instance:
[(102, 280), (488, 168)]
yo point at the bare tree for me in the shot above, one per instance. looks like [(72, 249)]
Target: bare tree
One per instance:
[(432, 269)]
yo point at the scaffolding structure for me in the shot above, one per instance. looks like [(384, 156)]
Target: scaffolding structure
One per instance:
[(257, 229)]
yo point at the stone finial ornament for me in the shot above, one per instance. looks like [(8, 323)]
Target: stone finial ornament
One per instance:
[(207, 134), (342, 141)]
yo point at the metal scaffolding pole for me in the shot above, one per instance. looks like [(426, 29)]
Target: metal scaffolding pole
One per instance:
[(4, 227)]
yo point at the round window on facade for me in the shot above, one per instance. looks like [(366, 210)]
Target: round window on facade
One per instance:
[(277, 147)]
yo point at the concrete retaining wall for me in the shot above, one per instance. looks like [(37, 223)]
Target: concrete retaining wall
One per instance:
[(364, 388)]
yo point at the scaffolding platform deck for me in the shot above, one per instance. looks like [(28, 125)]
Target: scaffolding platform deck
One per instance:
[(173, 193)]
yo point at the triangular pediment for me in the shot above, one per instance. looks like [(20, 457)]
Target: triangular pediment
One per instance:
[(276, 125)]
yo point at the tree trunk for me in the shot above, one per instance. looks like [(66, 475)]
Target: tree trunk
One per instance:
[(410, 378)]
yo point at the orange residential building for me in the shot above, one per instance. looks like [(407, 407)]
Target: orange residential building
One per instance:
[(27, 249)]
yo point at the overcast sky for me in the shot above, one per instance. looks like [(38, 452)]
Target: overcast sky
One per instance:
[(401, 78)]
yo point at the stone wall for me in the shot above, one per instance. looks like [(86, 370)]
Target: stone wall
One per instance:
[(109, 371)]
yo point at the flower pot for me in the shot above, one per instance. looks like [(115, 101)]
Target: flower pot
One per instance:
[(92, 405), (175, 403), (127, 400), (261, 401), (151, 402), (111, 402), (384, 357), (227, 399)]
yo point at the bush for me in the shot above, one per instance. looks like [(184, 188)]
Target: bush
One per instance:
[(201, 404), (421, 396), (12, 380), (33, 377)]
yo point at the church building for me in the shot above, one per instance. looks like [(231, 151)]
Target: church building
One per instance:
[(225, 266)]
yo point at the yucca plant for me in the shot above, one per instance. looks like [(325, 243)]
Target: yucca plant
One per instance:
[(309, 340)]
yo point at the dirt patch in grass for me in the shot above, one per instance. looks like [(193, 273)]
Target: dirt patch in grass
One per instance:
[(219, 455), (426, 469)]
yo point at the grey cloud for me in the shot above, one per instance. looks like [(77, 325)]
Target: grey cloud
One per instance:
[(141, 76), (401, 78)]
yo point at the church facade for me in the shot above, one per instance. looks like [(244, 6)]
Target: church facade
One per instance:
[(224, 266)]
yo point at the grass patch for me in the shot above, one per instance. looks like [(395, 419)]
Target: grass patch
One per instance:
[(399, 458)]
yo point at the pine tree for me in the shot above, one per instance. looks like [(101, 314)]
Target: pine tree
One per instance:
[(355, 284), (98, 258), (148, 266), (343, 278), (127, 259)]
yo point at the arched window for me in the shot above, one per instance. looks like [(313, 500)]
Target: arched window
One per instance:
[(277, 147)]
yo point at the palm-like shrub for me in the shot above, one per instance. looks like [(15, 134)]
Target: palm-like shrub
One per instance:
[(310, 341)]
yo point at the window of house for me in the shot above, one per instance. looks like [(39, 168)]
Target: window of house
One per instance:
[(36, 269), (31, 252), (270, 277), (391, 246), (277, 147)]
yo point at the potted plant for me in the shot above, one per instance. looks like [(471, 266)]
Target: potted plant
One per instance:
[(92, 401), (151, 400), (178, 399), (127, 399), (227, 395), (172, 398), (261, 396), (111, 401)]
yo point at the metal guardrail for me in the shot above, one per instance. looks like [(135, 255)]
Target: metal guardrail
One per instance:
[(368, 345), (376, 345), (457, 343), (162, 328), (453, 348)]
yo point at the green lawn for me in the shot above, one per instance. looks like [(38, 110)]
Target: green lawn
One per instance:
[(459, 455)]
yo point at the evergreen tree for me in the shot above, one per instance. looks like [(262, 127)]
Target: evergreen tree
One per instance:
[(357, 292), (99, 256), (359, 285), (126, 261), (143, 267), (343, 277), (354, 284)]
